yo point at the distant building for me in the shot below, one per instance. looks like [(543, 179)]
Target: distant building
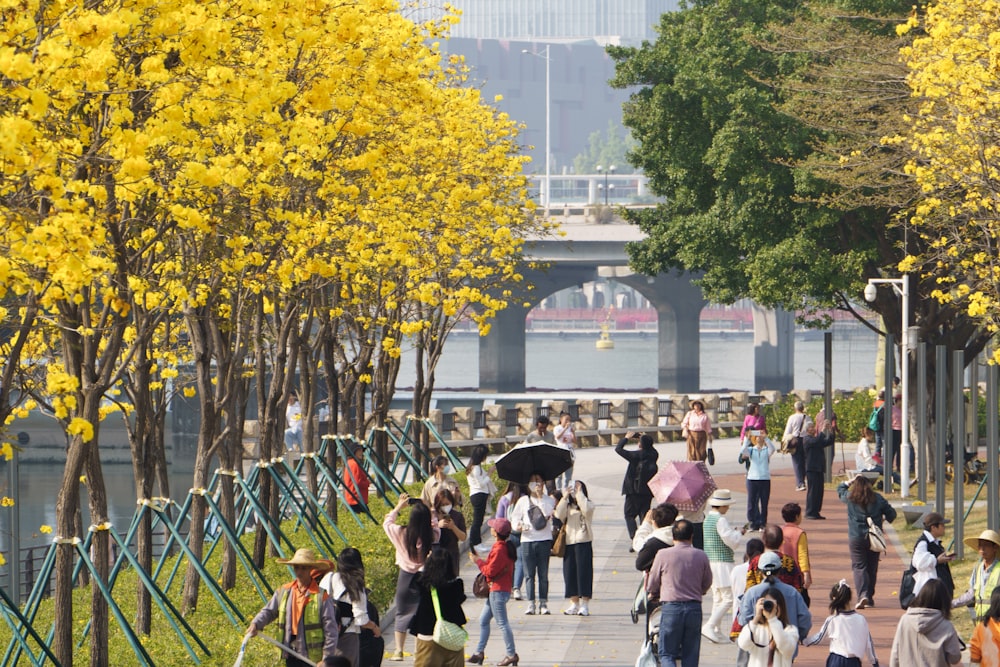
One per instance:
[(607, 21), (493, 35)]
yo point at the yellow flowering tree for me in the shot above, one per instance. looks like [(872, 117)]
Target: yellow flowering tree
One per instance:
[(955, 135)]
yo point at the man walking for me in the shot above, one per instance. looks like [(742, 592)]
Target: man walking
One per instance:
[(721, 542), (635, 486), (679, 578)]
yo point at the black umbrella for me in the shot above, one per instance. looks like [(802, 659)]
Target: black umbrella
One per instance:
[(528, 458)]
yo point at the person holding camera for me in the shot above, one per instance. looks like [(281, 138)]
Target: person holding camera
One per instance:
[(577, 512), (635, 487), (797, 612), (769, 638)]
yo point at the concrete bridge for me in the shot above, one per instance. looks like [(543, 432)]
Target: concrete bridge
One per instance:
[(590, 250)]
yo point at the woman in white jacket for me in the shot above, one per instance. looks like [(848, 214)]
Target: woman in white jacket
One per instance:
[(577, 513), (769, 638)]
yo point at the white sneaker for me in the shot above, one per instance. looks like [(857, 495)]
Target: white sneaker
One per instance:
[(530, 611), (572, 610), (543, 609), (583, 611), (516, 594), (711, 634)]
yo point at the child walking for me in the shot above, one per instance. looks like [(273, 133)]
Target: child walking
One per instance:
[(850, 638)]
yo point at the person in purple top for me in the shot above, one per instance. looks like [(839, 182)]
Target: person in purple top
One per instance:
[(679, 579), (754, 421)]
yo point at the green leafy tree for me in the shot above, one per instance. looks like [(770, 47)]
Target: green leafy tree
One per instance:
[(609, 147), (761, 125)]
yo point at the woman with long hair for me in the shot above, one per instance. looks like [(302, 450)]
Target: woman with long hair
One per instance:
[(499, 571), (437, 577), (925, 635), (452, 525), (533, 516), (577, 513), (507, 501), (413, 543), (346, 587), (769, 638), (480, 485), (863, 504)]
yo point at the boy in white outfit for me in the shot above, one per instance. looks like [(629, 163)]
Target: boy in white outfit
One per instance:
[(721, 541)]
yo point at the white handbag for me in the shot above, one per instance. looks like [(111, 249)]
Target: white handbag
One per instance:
[(646, 656), (876, 538), (447, 635)]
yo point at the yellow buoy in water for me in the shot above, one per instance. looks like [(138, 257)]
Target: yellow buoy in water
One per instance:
[(604, 342)]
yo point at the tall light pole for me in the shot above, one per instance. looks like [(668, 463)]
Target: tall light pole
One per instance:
[(901, 287), (547, 196), (607, 188)]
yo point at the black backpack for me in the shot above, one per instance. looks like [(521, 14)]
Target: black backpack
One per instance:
[(645, 470)]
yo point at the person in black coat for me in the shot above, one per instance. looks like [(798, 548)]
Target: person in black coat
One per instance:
[(815, 450), (641, 468), (437, 573)]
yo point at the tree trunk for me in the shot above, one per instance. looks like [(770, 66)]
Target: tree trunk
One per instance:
[(67, 513), (100, 547)]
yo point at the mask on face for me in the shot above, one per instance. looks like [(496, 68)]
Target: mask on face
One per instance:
[(445, 509), (449, 470), (533, 486)]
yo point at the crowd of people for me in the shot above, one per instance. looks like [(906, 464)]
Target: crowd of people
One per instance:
[(759, 572)]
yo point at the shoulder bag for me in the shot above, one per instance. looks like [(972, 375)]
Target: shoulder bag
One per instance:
[(876, 538), (559, 544), (481, 586), (447, 635)]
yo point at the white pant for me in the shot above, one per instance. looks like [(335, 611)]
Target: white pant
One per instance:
[(722, 609)]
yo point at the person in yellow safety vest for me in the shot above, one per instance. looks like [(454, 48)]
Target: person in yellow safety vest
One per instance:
[(985, 576), (305, 612)]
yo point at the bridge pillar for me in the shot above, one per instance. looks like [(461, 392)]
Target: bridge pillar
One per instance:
[(501, 353), (773, 349), (678, 306)]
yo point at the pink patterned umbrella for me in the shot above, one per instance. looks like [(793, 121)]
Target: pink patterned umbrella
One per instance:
[(686, 484)]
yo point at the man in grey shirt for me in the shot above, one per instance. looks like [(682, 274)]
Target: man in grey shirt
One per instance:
[(679, 579)]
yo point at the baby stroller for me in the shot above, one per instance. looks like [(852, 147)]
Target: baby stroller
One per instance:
[(649, 612)]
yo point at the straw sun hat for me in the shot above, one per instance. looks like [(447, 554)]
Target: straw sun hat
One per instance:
[(306, 557)]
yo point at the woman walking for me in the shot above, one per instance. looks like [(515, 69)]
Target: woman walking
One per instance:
[(480, 489), (698, 429), (499, 571), (863, 504), (925, 636), (346, 587), (577, 513), (756, 452), (533, 516), (412, 543), (437, 588)]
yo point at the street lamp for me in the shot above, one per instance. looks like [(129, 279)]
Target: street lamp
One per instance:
[(607, 188), (902, 287), (546, 199)]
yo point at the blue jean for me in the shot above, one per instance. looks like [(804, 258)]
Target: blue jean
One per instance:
[(565, 479), (680, 634), (515, 539), (536, 564), (758, 496), (496, 607)]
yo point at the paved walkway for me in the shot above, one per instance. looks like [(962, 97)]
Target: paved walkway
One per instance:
[(608, 638)]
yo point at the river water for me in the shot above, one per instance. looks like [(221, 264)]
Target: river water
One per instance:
[(552, 362)]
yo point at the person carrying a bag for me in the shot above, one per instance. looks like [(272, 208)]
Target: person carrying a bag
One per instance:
[(532, 516), (929, 559), (577, 514), (436, 581), (498, 568), (864, 504), (635, 487), (791, 442)]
